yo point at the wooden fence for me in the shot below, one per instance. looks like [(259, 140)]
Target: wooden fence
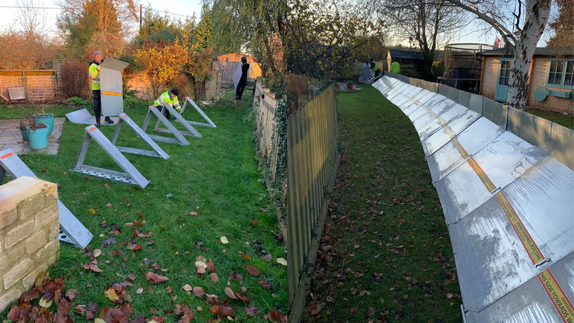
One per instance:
[(39, 85), (312, 162), (266, 106)]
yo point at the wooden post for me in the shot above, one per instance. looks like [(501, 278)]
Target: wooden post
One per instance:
[(25, 83)]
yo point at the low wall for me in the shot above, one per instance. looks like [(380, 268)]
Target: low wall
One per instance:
[(29, 228)]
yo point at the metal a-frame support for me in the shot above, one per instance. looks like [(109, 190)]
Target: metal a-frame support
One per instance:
[(209, 122), (71, 229), (190, 129), (156, 152), (131, 175), (179, 138)]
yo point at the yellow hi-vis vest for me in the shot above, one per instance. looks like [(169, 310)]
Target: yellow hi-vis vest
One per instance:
[(95, 76), (165, 98), (395, 67)]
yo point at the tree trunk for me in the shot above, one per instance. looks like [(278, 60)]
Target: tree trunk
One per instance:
[(537, 13)]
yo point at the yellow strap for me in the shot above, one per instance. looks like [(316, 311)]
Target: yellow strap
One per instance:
[(556, 294), (111, 93)]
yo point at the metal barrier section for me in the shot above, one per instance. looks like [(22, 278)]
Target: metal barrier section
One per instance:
[(131, 175), (507, 203), (475, 103), (515, 235), (179, 138), (464, 98), (83, 116), (71, 229), (495, 112), (561, 145), (451, 155), (531, 128), (498, 164), (156, 152), (209, 123)]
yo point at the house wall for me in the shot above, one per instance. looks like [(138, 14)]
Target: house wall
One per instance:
[(538, 79), (538, 73), (489, 76)]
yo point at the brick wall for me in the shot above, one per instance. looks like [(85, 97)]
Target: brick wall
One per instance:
[(489, 76), (29, 228), (538, 73)]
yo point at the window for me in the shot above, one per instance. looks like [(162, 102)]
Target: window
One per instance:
[(504, 72), (561, 73)]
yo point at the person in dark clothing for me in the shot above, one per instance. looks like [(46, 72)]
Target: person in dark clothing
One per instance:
[(375, 67), (243, 79)]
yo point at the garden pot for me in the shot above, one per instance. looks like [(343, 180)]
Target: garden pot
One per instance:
[(351, 86), (24, 133), (39, 138), (47, 119)]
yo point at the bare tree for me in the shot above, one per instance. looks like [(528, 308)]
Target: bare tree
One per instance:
[(529, 19), (425, 23), (562, 24), (31, 19)]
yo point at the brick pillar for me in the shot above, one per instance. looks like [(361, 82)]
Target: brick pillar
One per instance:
[(29, 227)]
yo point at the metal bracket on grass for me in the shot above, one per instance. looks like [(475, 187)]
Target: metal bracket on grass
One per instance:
[(179, 138), (156, 152), (131, 175), (209, 122), (71, 229), (190, 129)]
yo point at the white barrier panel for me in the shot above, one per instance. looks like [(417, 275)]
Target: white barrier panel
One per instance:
[(508, 205)]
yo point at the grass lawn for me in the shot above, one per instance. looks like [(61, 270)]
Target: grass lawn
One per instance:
[(209, 189), (386, 254), (557, 117)]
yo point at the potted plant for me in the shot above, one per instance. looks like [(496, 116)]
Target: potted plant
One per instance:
[(350, 86), (37, 134), (23, 127), (45, 118)]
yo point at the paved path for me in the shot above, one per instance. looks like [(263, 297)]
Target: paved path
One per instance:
[(10, 137)]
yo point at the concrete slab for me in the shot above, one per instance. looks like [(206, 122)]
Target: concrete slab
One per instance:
[(10, 138)]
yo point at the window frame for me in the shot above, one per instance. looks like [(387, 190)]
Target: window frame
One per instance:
[(565, 62)]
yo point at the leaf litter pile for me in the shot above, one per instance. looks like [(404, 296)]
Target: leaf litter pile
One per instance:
[(185, 249), (385, 254)]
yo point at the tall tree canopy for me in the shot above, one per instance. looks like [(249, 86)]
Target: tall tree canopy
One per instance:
[(562, 25), (202, 33)]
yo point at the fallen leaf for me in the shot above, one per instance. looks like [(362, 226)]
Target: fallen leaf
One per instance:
[(92, 211), (108, 242), (252, 270), (282, 261), (246, 257), (168, 289), (140, 290), (214, 277), (276, 316), (267, 257), (316, 308), (253, 222), (134, 246), (251, 310), (97, 253), (193, 213), (187, 288), (230, 293), (111, 294), (198, 291), (242, 297), (71, 293), (266, 284), (93, 267), (210, 265), (132, 276), (227, 311), (224, 240), (44, 303), (106, 185), (109, 205), (448, 295), (155, 278)]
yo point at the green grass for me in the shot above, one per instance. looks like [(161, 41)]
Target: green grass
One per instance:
[(216, 176), (386, 254), (557, 117)]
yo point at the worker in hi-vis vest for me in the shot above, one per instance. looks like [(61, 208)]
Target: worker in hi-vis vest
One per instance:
[(375, 67), (395, 67), (94, 73), (168, 97)]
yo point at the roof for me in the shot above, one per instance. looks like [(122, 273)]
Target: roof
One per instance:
[(405, 54), (539, 51)]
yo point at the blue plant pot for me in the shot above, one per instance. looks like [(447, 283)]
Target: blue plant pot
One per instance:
[(39, 138), (47, 119), (24, 134)]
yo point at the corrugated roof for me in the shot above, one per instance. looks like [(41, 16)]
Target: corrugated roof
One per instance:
[(405, 54), (539, 51)]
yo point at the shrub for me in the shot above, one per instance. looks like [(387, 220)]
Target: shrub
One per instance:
[(76, 103), (74, 79)]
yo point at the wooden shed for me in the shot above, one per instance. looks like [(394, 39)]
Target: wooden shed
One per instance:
[(405, 57), (551, 72)]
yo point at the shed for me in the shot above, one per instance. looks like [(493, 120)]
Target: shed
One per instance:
[(405, 57), (551, 72)]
